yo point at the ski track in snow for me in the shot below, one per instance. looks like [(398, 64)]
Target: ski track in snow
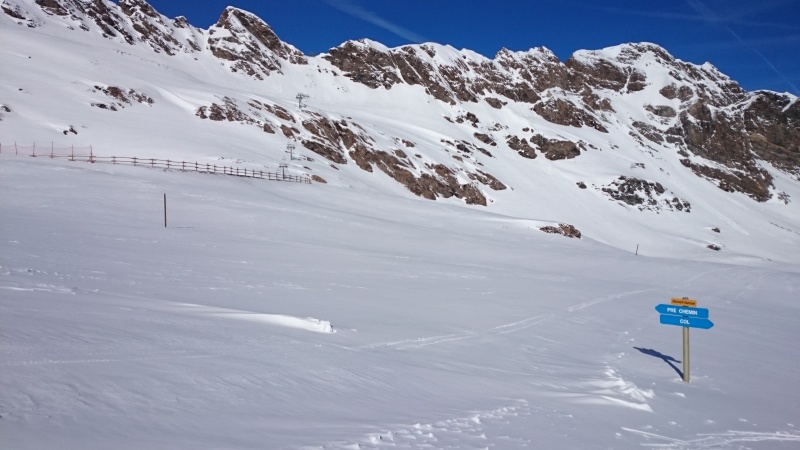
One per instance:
[(511, 327), (714, 440), (595, 301), (459, 432), (418, 342)]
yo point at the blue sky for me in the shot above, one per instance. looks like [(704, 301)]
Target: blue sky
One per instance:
[(757, 43)]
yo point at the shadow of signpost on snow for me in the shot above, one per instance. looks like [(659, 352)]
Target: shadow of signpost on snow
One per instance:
[(667, 359)]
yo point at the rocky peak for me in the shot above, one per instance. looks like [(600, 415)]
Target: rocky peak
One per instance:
[(155, 29), (719, 132), (539, 67), (180, 22), (250, 45), (87, 15)]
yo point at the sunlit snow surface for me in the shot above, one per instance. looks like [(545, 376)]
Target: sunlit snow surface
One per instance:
[(454, 327), (354, 314)]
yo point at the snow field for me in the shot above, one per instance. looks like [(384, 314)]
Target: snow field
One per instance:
[(454, 326)]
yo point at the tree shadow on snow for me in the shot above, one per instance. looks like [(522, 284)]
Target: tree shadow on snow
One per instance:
[(667, 359)]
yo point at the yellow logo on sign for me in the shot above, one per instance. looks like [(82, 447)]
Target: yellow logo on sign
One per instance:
[(683, 302)]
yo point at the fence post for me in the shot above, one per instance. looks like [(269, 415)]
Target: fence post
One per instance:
[(165, 210), (152, 162), (134, 160), (52, 148), (72, 153), (91, 154), (34, 149), (183, 165), (15, 148), (114, 160)]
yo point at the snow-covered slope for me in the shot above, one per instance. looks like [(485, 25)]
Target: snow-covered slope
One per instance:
[(624, 139), (284, 315), (407, 297)]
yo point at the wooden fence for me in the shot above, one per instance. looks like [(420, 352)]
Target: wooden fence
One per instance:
[(69, 154)]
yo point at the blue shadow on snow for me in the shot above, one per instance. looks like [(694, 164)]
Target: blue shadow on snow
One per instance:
[(667, 359)]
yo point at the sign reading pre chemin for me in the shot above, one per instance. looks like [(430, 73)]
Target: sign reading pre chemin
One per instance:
[(683, 312), (697, 313)]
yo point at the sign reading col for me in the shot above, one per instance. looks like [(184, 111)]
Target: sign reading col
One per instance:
[(683, 321)]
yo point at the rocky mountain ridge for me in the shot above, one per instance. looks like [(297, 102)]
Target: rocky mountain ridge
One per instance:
[(667, 108)]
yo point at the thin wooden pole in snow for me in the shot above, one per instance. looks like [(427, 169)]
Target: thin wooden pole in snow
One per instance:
[(686, 354), (165, 210)]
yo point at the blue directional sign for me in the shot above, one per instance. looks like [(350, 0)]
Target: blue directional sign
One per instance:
[(684, 321), (697, 313)]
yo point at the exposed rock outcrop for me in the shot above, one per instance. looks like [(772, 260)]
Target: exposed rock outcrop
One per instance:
[(564, 229), (644, 195)]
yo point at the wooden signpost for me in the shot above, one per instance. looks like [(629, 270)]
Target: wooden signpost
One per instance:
[(683, 312)]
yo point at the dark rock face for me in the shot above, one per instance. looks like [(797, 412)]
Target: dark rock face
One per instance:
[(717, 135), (521, 146), (555, 149), (755, 184), (564, 229), (485, 138), (461, 81), (437, 180), (648, 131), (227, 111), (52, 7), (120, 97), (15, 12), (644, 195), (772, 126), (564, 112), (662, 110), (606, 75)]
